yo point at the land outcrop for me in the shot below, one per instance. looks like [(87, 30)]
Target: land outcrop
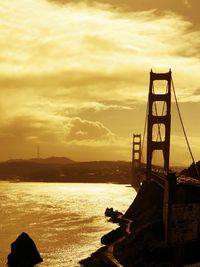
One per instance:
[(64, 170), (192, 171), (140, 238)]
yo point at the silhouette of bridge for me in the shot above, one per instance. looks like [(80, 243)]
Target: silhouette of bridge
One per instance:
[(158, 128), (179, 213)]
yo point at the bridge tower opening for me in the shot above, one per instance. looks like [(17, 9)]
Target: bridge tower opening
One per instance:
[(136, 158), (159, 120)]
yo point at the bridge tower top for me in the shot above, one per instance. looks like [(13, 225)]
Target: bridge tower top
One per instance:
[(160, 122)]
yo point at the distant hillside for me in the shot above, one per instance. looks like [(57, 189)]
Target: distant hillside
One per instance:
[(91, 172), (50, 160), (53, 160)]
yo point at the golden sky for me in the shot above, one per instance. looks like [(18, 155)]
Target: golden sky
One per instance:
[(74, 75)]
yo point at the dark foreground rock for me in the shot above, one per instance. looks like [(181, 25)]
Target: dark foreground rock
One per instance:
[(100, 258), (23, 252), (109, 212), (112, 236)]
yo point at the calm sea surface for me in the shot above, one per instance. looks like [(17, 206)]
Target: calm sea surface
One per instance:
[(65, 220)]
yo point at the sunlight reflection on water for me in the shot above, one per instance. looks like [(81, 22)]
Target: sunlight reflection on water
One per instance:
[(65, 220)]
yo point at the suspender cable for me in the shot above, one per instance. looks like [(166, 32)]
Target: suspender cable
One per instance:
[(185, 135)]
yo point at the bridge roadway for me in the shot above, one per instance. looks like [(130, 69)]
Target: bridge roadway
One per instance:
[(158, 175)]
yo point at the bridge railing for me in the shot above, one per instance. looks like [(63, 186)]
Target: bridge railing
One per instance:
[(159, 178), (167, 181)]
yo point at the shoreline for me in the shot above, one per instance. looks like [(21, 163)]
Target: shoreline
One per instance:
[(66, 182)]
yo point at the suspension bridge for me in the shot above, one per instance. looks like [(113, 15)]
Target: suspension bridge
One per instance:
[(158, 130), (162, 225), (181, 210)]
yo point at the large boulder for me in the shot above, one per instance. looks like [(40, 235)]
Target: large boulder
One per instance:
[(23, 252)]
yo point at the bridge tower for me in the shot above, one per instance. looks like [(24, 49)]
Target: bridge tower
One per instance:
[(159, 121), (136, 157)]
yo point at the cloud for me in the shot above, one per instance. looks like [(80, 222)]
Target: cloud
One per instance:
[(89, 61), (197, 92), (90, 47), (22, 128), (55, 129), (83, 130), (92, 52), (187, 8), (78, 108)]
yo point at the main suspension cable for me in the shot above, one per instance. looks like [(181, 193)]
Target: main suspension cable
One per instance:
[(183, 127)]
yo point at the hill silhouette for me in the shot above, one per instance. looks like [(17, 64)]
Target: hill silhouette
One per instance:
[(49, 160), (65, 170), (192, 171)]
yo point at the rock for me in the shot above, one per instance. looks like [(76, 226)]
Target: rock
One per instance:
[(115, 215), (97, 259), (112, 236), (109, 212), (23, 252)]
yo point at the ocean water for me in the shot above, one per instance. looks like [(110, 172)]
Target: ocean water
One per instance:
[(65, 220)]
